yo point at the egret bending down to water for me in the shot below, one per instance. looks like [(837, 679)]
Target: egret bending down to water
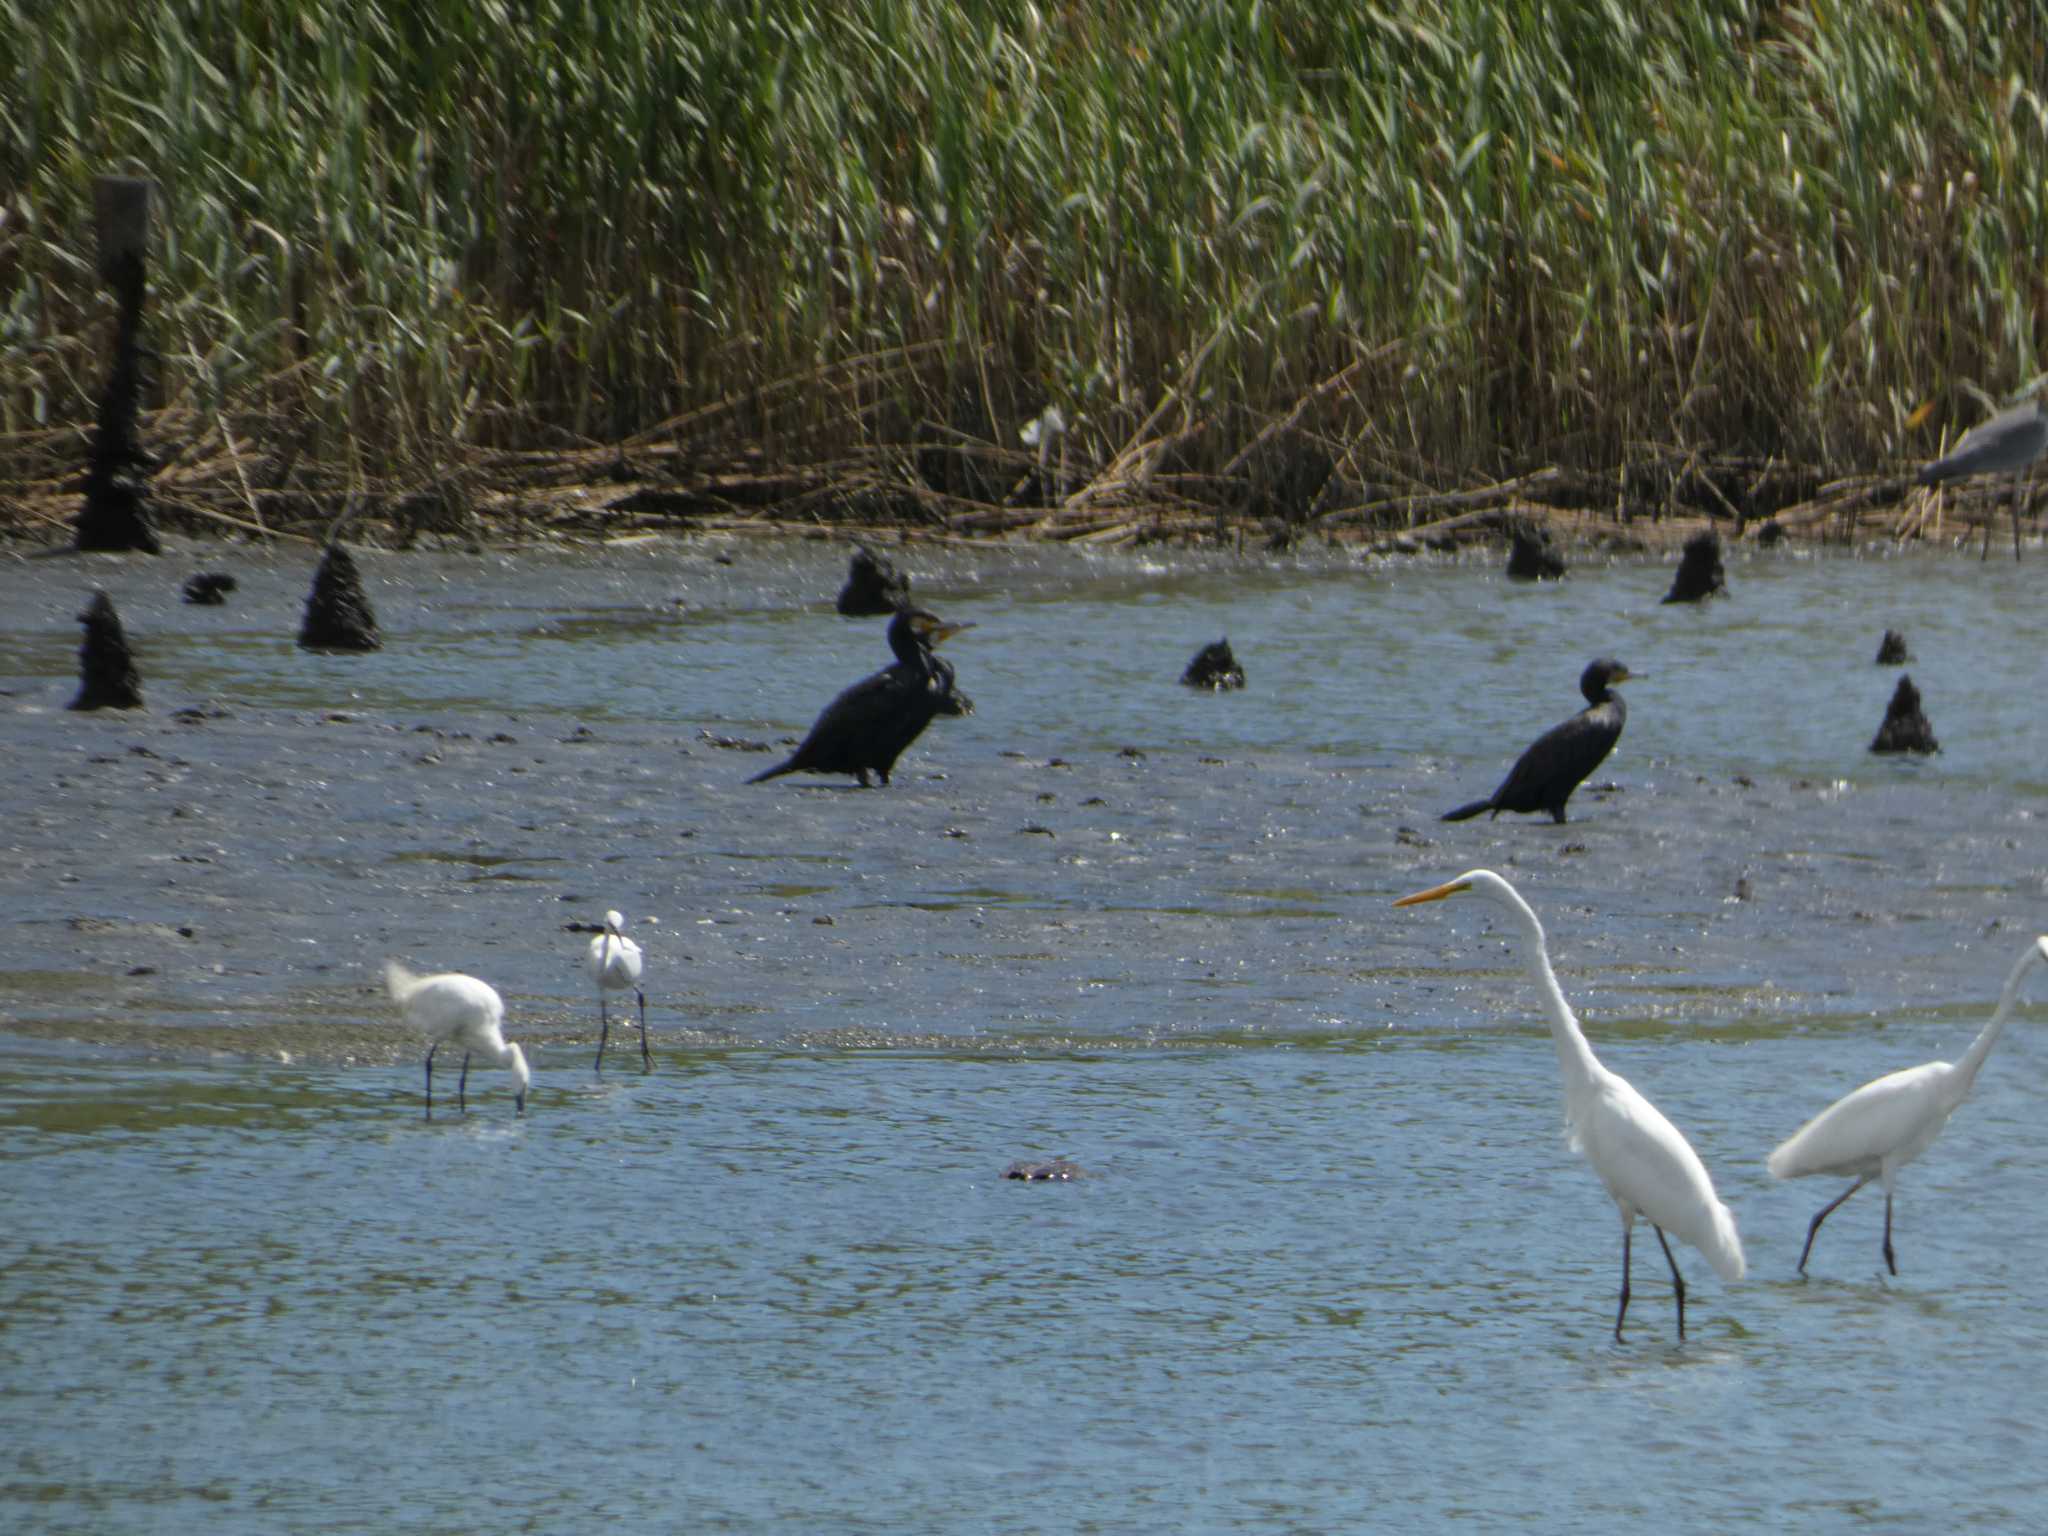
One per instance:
[(1875, 1131), (615, 966), (453, 1009), (1647, 1166)]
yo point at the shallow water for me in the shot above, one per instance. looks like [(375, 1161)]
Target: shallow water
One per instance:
[(1335, 1267)]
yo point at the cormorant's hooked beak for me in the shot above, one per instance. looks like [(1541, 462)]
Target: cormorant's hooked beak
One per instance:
[(939, 633), (1623, 676), (1435, 893)]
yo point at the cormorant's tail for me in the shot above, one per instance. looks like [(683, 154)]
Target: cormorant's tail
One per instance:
[(788, 765), (1467, 812)]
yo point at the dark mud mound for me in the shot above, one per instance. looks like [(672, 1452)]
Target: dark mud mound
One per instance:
[(1891, 651), (1533, 555), (1700, 573), (338, 616), (108, 678), (1905, 727), (1214, 667), (209, 588), (873, 586)]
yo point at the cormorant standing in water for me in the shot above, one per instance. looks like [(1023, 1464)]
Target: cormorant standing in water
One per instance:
[(867, 727), (1544, 777)]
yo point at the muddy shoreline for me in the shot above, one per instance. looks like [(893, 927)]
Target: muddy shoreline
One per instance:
[(501, 499)]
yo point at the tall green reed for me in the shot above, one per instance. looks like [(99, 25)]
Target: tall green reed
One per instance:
[(1531, 232)]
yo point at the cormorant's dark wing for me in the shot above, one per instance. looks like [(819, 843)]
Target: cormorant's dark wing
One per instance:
[(1544, 777), (845, 736)]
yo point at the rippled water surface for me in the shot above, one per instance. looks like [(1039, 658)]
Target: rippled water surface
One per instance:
[(1333, 1267)]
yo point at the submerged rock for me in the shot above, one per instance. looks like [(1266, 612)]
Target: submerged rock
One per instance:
[(1905, 727), (1700, 574), (209, 588), (1891, 651), (338, 616), (873, 586), (108, 678), (1215, 667), (1534, 554)]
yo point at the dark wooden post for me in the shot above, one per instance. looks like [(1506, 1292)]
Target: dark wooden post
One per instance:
[(116, 514)]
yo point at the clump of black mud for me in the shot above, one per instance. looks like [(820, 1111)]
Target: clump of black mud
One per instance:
[(1905, 727), (1533, 555), (1214, 666), (108, 678), (1891, 651), (209, 588), (338, 616), (1700, 573), (873, 586)]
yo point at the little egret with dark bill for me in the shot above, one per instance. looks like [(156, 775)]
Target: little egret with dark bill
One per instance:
[(615, 965), (1648, 1167), (2008, 443), (1875, 1131), (453, 1009), (1556, 762)]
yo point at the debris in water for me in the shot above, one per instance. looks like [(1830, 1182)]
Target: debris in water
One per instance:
[(1700, 573), (338, 616), (209, 588), (1054, 1169), (1905, 727), (106, 669), (1534, 555), (873, 586), (1214, 667)]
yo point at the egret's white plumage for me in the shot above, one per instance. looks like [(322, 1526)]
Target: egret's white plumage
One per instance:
[(1875, 1131), (1648, 1167), (614, 963), (453, 1009)]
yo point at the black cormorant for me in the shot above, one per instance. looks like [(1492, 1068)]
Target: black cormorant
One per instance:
[(1544, 777), (867, 727)]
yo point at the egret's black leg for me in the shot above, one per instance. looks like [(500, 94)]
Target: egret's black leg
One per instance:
[(646, 1057), (1890, 1262), (1677, 1280), (2018, 483), (1627, 1233), (604, 1031), (1828, 1210), (430, 1077), (462, 1086)]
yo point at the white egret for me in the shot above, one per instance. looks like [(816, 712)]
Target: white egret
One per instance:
[(1647, 1166), (455, 1009), (1875, 1131), (614, 963)]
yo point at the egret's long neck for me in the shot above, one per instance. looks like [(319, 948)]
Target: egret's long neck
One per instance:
[(1966, 1069), (1574, 1056)]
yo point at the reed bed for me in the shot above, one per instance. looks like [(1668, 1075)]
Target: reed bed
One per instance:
[(1299, 264)]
